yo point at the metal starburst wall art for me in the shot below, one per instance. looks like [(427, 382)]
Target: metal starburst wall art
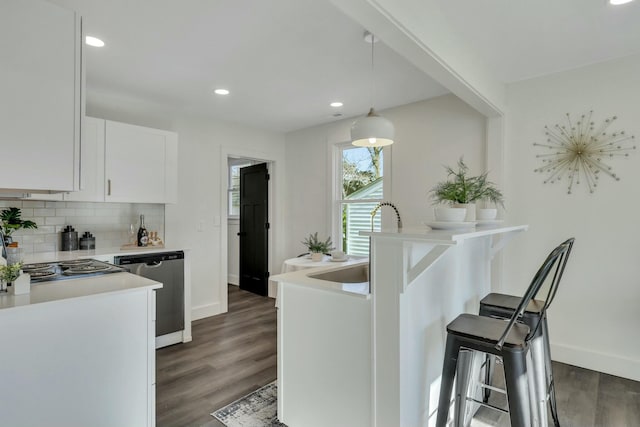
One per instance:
[(576, 152)]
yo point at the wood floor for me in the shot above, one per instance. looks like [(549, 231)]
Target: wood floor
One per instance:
[(230, 356), (235, 353)]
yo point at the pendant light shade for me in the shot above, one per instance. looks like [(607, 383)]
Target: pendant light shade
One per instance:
[(372, 131)]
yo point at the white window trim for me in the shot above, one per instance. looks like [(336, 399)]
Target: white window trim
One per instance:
[(335, 154)]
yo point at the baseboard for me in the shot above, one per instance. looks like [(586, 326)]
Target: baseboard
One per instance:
[(233, 279), (206, 310), (608, 363)]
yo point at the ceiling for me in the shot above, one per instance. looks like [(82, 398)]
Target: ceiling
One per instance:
[(284, 61)]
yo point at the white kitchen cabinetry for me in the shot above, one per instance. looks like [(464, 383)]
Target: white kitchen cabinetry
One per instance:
[(40, 96), (140, 164), (83, 354), (92, 166)]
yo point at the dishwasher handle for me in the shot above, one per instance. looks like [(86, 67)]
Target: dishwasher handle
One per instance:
[(153, 264)]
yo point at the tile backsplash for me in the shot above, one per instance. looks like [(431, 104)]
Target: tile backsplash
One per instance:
[(108, 222)]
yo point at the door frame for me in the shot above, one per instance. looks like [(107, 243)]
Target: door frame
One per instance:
[(257, 156)]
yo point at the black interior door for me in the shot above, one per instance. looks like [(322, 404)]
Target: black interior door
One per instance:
[(254, 229)]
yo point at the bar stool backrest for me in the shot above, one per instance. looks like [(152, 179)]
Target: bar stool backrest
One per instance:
[(558, 258)]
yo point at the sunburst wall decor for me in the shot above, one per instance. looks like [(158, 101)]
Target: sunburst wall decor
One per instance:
[(575, 152)]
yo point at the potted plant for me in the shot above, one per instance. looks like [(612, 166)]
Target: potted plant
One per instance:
[(317, 248), (10, 221), (461, 190), (8, 274)]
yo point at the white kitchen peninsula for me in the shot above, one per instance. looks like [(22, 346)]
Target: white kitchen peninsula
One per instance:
[(376, 359), (79, 352)]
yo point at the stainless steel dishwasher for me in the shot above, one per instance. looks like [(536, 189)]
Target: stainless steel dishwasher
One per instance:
[(167, 268)]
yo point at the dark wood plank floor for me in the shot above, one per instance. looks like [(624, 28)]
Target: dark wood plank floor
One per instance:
[(235, 353), (230, 356)]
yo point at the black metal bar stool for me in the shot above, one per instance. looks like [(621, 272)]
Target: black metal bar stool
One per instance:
[(502, 306), (511, 343)]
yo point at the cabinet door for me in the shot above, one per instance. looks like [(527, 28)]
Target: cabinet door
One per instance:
[(40, 83), (136, 163), (91, 163)]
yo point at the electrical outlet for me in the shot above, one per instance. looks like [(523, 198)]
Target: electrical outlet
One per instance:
[(200, 226)]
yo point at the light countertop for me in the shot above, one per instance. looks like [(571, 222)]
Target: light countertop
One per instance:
[(301, 277), (77, 288), (450, 237)]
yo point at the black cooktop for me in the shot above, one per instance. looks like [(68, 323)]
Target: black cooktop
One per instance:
[(61, 270)]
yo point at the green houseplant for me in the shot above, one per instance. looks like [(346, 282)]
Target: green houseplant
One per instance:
[(8, 274), (10, 221), (462, 189), (317, 247)]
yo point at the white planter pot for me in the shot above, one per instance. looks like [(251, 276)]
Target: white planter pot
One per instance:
[(317, 256), (443, 213), (22, 285), (471, 210), (487, 214)]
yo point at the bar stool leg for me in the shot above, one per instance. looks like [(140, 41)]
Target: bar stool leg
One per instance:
[(515, 373), (489, 367), (463, 374), (449, 365), (551, 387), (538, 357)]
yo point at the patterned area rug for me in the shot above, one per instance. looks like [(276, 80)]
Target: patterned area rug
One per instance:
[(257, 409)]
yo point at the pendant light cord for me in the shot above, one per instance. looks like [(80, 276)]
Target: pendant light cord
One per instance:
[(372, 90)]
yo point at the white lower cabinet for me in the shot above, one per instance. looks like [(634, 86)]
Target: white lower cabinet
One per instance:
[(87, 361), (140, 164)]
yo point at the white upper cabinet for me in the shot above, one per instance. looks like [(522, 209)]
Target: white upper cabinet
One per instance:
[(40, 96), (140, 164), (91, 163)]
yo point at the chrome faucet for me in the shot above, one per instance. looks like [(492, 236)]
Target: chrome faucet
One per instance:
[(373, 213)]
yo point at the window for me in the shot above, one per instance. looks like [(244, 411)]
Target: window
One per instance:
[(234, 186), (360, 179)]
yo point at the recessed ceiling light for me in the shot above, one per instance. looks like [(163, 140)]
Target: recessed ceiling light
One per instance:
[(336, 104), (221, 92), (93, 41), (619, 2)]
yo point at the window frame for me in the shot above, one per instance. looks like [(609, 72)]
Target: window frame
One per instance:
[(336, 188), (239, 163)]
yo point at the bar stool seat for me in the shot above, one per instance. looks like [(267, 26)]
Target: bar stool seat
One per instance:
[(488, 330)]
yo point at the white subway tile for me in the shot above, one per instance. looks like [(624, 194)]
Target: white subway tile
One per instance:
[(33, 204), (44, 247), (55, 205), (55, 220), (44, 212), (65, 212)]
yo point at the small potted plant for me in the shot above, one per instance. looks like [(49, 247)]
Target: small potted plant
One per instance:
[(9, 274), (462, 191), (317, 248), (10, 221)]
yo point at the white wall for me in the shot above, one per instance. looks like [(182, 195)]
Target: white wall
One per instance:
[(429, 134), (595, 317), (198, 220)]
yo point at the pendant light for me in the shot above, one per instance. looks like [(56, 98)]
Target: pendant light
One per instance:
[(372, 130)]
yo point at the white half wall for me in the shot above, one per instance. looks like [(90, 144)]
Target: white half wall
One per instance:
[(198, 221), (595, 317), (429, 134)]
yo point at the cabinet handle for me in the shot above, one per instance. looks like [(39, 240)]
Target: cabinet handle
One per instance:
[(108, 187)]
